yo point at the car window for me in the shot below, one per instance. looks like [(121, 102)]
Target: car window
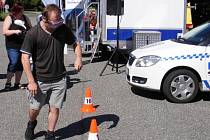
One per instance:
[(197, 36)]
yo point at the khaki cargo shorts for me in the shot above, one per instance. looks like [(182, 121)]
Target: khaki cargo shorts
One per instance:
[(52, 93)]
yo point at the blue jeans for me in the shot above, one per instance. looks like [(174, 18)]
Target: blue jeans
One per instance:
[(15, 64)]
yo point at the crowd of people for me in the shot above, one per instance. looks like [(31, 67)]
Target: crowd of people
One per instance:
[(44, 44)]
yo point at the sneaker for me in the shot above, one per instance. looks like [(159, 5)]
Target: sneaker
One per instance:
[(7, 86), (29, 133), (50, 136)]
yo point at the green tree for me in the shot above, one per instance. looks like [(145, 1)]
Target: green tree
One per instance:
[(35, 2), (28, 4)]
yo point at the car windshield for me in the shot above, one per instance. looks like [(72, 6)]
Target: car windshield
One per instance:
[(197, 35)]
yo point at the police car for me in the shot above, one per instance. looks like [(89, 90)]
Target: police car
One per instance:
[(179, 68)]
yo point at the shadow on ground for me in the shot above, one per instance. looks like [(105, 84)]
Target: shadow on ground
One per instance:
[(205, 96), (147, 93), (117, 65), (82, 126), (3, 76), (72, 81), (40, 134), (7, 91), (85, 62), (24, 86)]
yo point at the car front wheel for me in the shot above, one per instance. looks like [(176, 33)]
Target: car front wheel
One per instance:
[(180, 86)]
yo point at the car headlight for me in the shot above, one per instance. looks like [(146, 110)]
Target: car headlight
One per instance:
[(147, 61)]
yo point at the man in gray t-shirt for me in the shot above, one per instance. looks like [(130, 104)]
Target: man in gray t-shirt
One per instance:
[(47, 83)]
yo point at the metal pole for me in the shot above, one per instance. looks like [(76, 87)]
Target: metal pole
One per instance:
[(118, 27), (115, 52)]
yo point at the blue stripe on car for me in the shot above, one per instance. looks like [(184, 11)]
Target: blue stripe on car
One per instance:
[(209, 65), (188, 56), (206, 84)]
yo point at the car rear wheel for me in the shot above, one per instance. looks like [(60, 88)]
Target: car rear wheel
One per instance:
[(180, 86)]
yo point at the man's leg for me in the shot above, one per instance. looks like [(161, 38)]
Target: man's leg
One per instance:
[(52, 118), (36, 102), (29, 134), (52, 121), (56, 100), (33, 114)]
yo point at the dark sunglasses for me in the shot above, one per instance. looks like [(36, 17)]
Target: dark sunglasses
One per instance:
[(55, 22)]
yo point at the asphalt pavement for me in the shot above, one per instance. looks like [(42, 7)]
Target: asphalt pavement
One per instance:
[(123, 113)]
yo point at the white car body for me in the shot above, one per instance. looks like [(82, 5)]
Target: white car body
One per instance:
[(173, 55), (179, 68)]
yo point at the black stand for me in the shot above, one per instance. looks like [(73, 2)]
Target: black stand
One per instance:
[(116, 49)]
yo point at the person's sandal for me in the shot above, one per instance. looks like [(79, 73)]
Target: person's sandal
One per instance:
[(19, 86), (7, 86)]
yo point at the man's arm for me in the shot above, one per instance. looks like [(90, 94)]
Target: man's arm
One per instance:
[(78, 61), (32, 86)]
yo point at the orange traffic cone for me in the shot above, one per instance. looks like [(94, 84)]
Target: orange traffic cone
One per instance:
[(93, 134), (88, 102)]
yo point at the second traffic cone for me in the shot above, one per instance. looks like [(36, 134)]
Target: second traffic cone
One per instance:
[(88, 102), (93, 134)]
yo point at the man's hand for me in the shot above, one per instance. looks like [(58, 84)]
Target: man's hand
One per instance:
[(32, 87), (78, 64), (78, 61)]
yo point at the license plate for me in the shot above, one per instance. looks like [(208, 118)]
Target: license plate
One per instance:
[(127, 71)]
